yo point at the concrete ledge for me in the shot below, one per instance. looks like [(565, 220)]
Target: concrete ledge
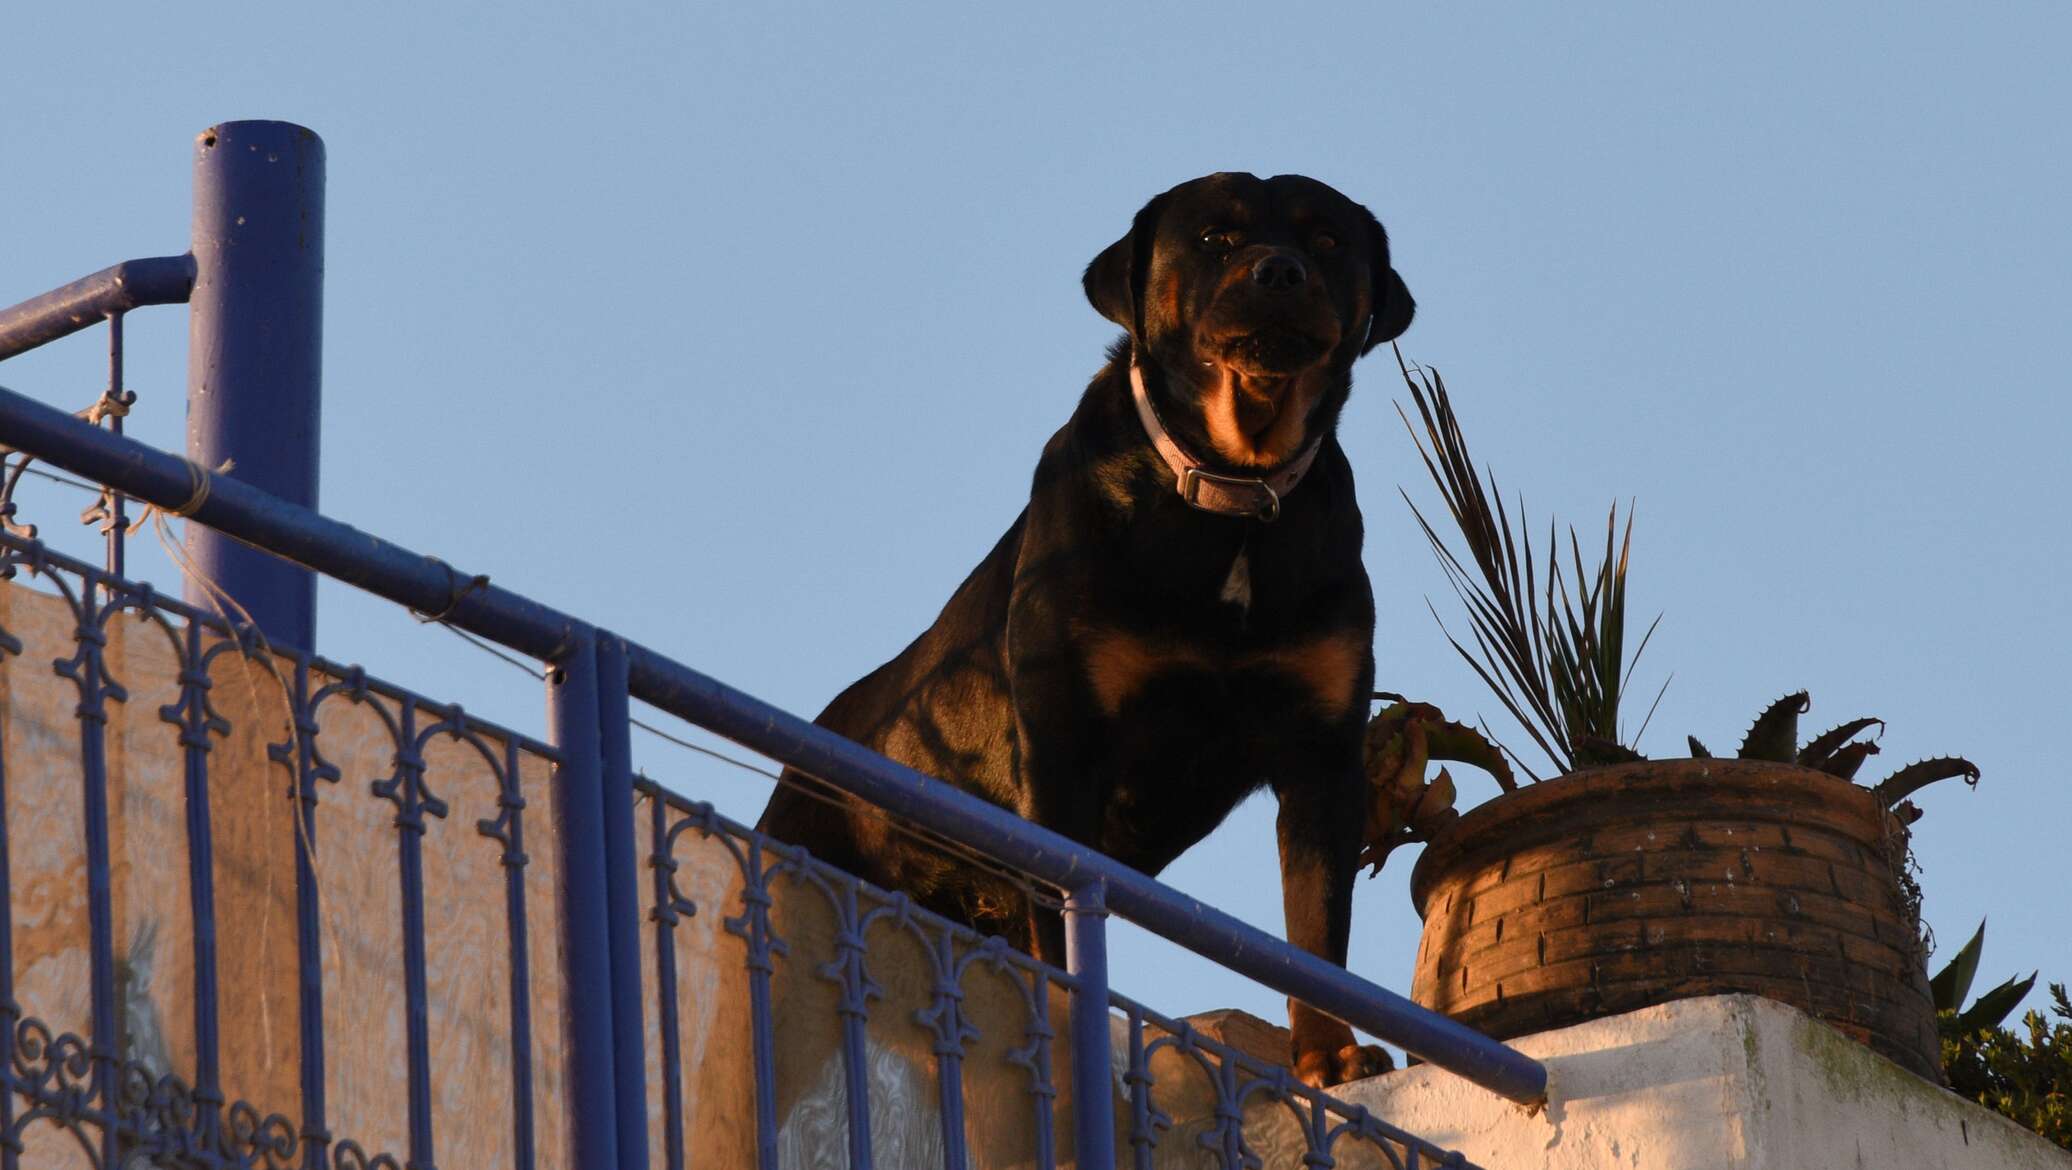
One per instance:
[(1726, 1081)]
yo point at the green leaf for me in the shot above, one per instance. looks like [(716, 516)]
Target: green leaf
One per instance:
[(1953, 982), (1992, 1007)]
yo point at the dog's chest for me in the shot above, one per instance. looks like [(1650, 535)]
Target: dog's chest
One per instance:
[(1237, 584), (1319, 673)]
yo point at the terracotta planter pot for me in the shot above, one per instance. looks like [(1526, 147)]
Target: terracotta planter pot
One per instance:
[(1618, 888)]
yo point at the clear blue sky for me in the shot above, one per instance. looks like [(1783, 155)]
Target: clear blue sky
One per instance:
[(738, 329)]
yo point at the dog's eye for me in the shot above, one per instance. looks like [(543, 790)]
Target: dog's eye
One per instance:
[(1219, 239), (1325, 242)]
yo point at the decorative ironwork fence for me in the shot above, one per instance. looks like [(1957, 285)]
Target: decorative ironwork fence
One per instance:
[(266, 911), (242, 883)]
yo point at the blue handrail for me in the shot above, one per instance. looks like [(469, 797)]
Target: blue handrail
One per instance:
[(86, 302), (498, 614)]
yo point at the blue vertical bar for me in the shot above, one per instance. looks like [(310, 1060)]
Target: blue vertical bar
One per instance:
[(849, 968), (950, 1034), (1086, 958), (254, 350), (118, 517), (10, 1012), (763, 949), (309, 946), (192, 715), (95, 689), (666, 914), (572, 712), (417, 1035), (1143, 1137), (1044, 1085), (622, 901), (521, 962)]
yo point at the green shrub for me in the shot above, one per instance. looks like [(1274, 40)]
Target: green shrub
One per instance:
[(2024, 1077)]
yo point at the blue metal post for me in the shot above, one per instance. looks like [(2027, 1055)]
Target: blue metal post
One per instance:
[(254, 351), (1086, 959), (572, 711), (622, 897)]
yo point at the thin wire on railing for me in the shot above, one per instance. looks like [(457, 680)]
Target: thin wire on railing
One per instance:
[(67, 480), (811, 786)]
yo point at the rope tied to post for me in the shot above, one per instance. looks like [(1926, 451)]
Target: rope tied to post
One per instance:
[(108, 406), (198, 481)]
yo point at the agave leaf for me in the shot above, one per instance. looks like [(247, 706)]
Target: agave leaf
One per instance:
[(1844, 763), (1775, 734), (1920, 774), (1698, 751), (1953, 982), (1992, 1007), (1824, 745), (1447, 740)]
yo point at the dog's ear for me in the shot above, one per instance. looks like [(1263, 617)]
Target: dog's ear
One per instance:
[(1393, 304), (1114, 282)]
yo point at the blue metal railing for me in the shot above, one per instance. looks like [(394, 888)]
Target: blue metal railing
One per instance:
[(86, 302), (593, 674)]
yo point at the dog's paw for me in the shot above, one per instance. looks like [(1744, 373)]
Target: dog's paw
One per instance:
[(1321, 1070)]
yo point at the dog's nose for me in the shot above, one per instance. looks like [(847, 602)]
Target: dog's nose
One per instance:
[(1280, 272)]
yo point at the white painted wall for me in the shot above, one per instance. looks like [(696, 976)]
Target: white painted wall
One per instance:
[(1728, 1081)]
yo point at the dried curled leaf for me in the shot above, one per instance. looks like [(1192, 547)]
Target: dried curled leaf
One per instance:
[(1845, 762), (1402, 741), (1920, 774), (1775, 734), (1815, 754), (1698, 751)]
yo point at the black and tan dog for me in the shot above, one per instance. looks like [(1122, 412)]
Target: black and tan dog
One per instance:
[(1180, 616)]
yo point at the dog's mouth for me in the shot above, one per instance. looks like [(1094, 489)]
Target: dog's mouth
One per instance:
[(1261, 366), (1276, 351)]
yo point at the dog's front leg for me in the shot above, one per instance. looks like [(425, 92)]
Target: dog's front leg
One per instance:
[(1320, 845), (1060, 789)]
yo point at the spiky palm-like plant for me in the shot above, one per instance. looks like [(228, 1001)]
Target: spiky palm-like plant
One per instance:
[(1552, 650)]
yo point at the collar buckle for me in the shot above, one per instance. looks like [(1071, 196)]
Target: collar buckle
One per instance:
[(1269, 501)]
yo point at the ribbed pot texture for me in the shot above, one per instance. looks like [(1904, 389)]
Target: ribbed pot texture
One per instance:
[(1619, 888)]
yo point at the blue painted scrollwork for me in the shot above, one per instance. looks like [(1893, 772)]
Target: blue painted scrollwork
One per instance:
[(124, 1112)]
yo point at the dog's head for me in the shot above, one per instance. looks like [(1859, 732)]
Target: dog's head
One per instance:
[(1247, 299)]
